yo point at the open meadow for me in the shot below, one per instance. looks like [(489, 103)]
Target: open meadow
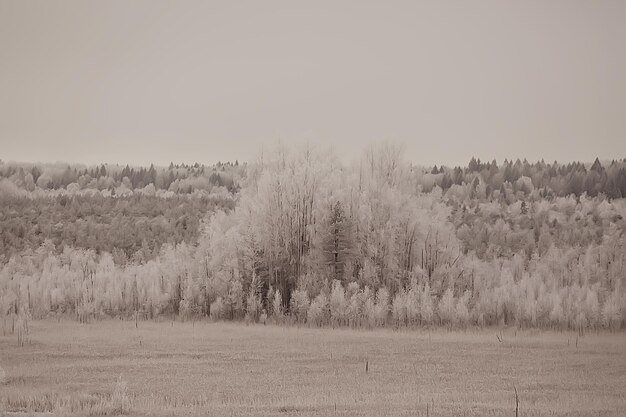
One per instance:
[(173, 368)]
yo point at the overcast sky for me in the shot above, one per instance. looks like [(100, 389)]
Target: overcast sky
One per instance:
[(160, 81)]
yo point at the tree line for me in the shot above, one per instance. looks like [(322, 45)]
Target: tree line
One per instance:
[(378, 242), (179, 178)]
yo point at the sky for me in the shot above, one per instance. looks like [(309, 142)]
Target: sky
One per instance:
[(147, 81)]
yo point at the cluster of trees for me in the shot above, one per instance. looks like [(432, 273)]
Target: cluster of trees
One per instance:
[(80, 283), (128, 212), (117, 179), (371, 244), (552, 179), (130, 228)]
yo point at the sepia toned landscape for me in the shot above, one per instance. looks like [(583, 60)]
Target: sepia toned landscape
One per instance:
[(322, 208), (296, 285), (299, 237)]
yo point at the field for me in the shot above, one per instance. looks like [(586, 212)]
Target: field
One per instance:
[(230, 369)]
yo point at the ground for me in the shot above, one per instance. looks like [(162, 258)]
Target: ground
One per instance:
[(230, 369)]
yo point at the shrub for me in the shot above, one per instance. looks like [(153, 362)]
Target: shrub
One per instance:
[(427, 308), (412, 303), (318, 311), (382, 306), (277, 305), (235, 299), (399, 308), (337, 303), (253, 306), (445, 309), (355, 305), (611, 314), (369, 308), (299, 305), (461, 310), (592, 307), (557, 316), (185, 308), (352, 289), (217, 309)]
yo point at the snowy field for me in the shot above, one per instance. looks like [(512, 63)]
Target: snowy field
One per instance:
[(180, 369)]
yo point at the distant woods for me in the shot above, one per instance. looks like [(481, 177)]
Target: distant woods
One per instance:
[(300, 237), (131, 228), (129, 212), (117, 179), (551, 179)]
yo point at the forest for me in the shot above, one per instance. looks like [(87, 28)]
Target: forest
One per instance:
[(299, 236)]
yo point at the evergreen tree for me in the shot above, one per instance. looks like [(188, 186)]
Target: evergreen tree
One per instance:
[(338, 242)]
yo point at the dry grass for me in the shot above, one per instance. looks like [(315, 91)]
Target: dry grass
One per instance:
[(111, 368)]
